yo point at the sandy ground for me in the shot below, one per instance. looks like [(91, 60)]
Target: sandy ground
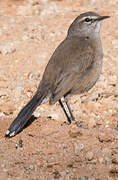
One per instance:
[(30, 30)]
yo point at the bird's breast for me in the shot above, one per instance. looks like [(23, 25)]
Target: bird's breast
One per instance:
[(86, 80)]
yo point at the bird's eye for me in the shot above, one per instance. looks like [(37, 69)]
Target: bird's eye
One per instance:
[(87, 19)]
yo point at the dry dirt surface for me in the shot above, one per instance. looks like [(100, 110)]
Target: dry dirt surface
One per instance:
[(46, 149)]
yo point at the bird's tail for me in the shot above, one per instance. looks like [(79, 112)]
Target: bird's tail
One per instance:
[(24, 115)]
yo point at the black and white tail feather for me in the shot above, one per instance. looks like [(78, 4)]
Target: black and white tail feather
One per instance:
[(24, 115)]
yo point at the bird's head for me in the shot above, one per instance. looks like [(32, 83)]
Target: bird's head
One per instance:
[(86, 23)]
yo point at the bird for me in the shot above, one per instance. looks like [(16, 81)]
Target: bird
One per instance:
[(74, 68)]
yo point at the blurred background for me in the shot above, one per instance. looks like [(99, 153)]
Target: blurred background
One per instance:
[(30, 30)]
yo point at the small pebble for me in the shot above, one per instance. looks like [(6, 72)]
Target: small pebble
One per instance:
[(20, 88), (37, 114), (20, 144), (78, 148), (31, 167), (2, 114), (89, 156), (6, 48)]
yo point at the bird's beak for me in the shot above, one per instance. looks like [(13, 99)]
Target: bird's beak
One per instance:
[(102, 18)]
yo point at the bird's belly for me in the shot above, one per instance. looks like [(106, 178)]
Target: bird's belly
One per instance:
[(87, 80)]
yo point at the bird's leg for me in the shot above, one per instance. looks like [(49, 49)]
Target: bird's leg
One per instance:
[(69, 109), (68, 118)]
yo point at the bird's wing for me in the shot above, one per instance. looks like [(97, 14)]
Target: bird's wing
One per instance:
[(72, 58), (62, 87)]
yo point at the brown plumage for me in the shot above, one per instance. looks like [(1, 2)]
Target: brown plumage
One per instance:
[(74, 68)]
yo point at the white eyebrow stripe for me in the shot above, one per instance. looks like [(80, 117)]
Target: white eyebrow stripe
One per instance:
[(91, 17)]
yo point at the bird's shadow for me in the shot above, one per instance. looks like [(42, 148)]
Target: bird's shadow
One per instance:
[(30, 121)]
